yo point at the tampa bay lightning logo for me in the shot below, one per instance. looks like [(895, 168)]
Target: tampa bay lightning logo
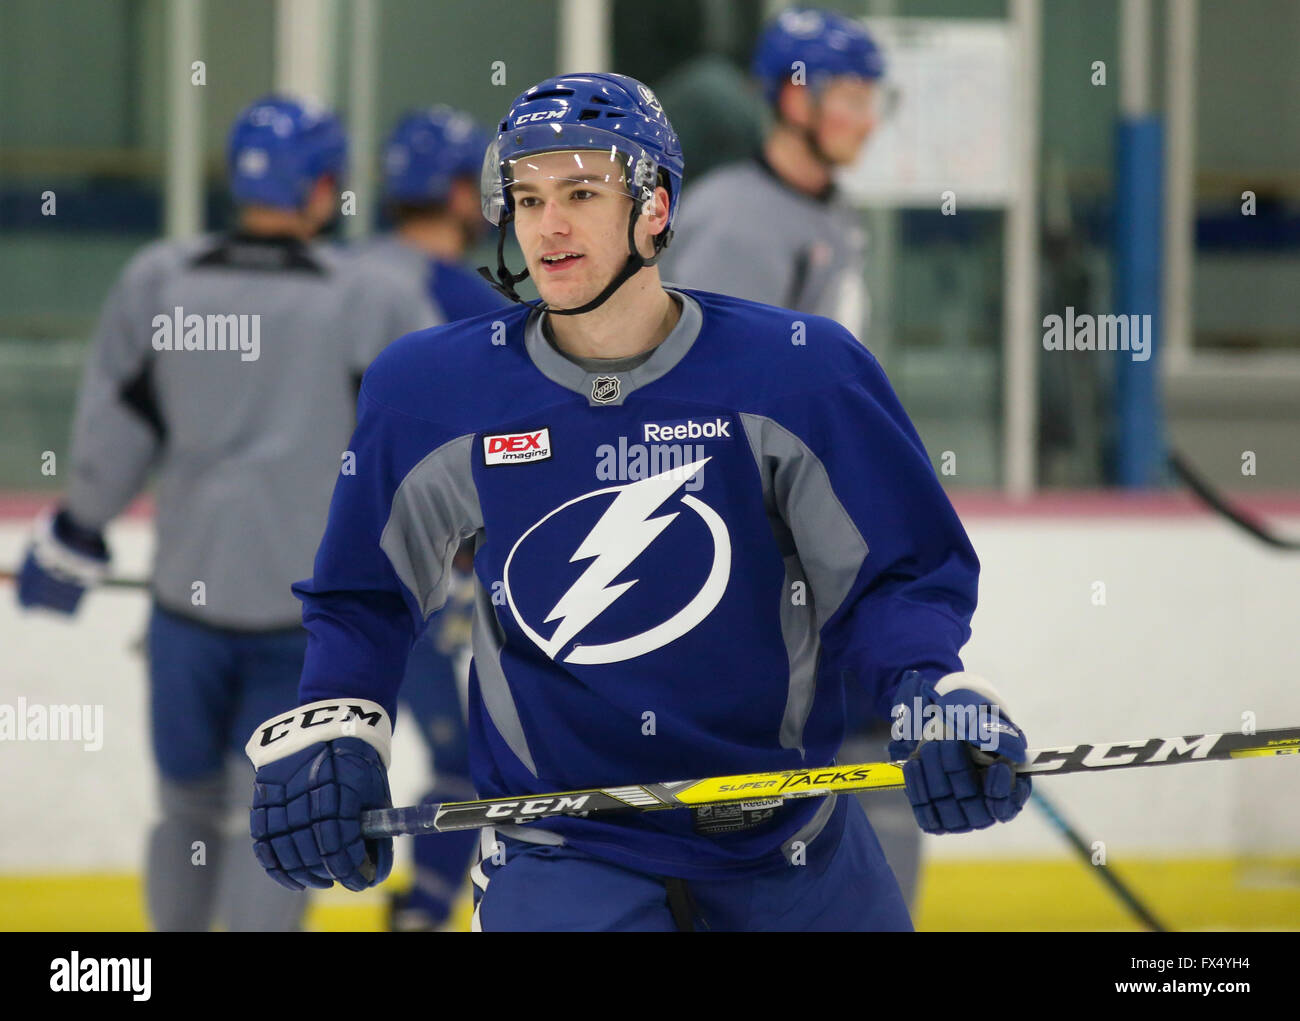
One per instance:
[(650, 99), (626, 528)]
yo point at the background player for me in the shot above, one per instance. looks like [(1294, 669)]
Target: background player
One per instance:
[(639, 597), (820, 73), (432, 163), (246, 442)]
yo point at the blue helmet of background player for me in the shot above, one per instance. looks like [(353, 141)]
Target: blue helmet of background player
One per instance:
[(279, 148), (427, 151), (609, 113), (818, 45)]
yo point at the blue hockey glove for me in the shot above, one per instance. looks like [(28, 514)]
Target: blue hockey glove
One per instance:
[(318, 768), (62, 561), (961, 748)]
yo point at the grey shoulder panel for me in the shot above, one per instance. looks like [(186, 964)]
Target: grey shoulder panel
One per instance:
[(488, 641), (798, 489), (810, 831), (822, 549), (803, 650), (434, 510)]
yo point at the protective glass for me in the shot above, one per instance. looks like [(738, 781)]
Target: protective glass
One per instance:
[(598, 159), (859, 98)]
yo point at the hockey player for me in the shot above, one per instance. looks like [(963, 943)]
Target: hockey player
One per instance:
[(431, 164), (820, 73), (228, 366), (631, 621)]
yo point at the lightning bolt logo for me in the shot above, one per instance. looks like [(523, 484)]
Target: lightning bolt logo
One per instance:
[(622, 534)]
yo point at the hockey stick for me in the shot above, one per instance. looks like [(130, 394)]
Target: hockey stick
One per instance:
[(1218, 503), (806, 783), (1106, 873), (122, 583)]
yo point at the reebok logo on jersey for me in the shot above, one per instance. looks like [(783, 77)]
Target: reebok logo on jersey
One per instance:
[(689, 429), (517, 448)]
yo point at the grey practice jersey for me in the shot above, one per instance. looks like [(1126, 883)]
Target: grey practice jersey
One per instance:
[(230, 365), (386, 254), (743, 232)]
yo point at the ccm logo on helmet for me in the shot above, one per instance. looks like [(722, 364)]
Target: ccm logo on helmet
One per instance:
[(541, 115), (517, 448), (719, 428)]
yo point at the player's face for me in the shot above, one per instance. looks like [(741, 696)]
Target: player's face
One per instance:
[(847, 108), (465, 207), (570, 220)]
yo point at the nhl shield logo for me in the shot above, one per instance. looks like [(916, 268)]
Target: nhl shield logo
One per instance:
[(604, 389)]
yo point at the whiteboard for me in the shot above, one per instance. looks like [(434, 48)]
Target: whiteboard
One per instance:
[(953, 126)]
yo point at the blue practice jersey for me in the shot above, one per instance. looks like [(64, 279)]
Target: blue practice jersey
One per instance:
[(460, 292), (681, 568)]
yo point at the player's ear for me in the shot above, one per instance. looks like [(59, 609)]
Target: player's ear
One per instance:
[(657, 219), (652, 221), (794, 103), (325, 187), (322, 198)]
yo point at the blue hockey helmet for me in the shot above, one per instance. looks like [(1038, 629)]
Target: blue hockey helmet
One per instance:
[(428, 150), (279, 147), (610, 114), (819, 44), (604, 112)]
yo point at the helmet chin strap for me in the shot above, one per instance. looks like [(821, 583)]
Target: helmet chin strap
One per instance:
[(808, 132), (504, 282), (815, 147)]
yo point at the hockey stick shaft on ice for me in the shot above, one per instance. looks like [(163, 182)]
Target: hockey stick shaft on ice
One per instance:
[(1219, 503), (1104, 873), (804, 783)]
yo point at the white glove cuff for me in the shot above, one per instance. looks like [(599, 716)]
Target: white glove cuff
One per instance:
[(971, 682), (63, 562), (327, 720)]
